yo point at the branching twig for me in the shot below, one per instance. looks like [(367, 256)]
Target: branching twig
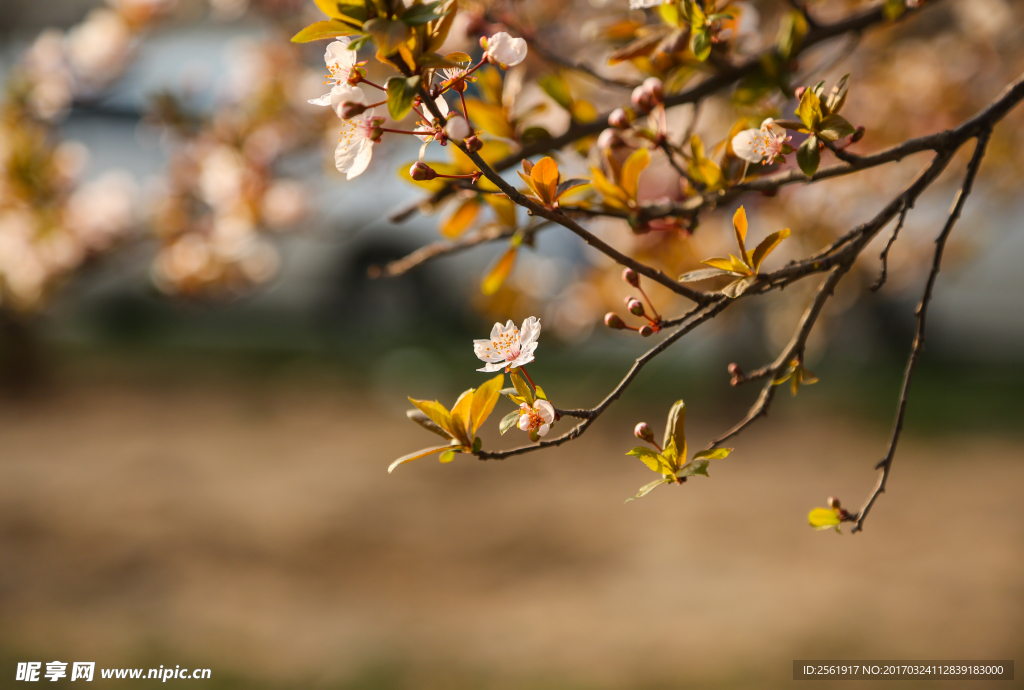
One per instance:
[(921, 312), (884, 256)]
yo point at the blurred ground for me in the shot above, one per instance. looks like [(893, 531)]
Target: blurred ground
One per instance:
[(251, 527)]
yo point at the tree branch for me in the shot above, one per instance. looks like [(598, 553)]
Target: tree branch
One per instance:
[(919, 336)]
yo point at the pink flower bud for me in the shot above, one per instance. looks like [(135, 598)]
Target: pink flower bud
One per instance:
[(646, 331), (655, 88), (421, 171), (610, 139), (643, 432), (612, 320), (631, 277), (799, 93), (619, 119), (636, 307), (350, 109), (734, 369), (473, 143), (642, 100)]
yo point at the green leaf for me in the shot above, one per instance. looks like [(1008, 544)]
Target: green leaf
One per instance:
[(808, 157), (655, 461), (835, 127), (418, 15), (416, 456), (715, 454), (540, 393), (508, 421), (894, 9), (447, 456), (703, 274), (837, 98), (671, 456), (648, 488), (768, 244), (557, 87), (675, 427), (809, 110), (692, 468), (427, 423), (791, 34), (484, 400), (321, 30), (700, 44), (388, 34), (522, 387), (824, 518), (401, 95)]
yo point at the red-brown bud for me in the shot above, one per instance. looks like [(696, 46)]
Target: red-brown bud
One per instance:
[(619, 119), (646, 331), (612, 320), (631, 277), (833, 503), (635, 306), (734, 369), (350, 109), (473, 143), (857, 135), (643, 432), (420, 171), (799, 93)]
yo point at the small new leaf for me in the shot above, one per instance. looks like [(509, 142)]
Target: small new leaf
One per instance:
[(808, 157), (401, 95), (648, 488), (824, 518)]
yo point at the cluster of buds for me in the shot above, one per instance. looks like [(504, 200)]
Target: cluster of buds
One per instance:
[(648, 95), (736, 373), (635, 307)]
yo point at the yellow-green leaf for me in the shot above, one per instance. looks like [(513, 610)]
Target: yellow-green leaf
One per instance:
[(416, 456), (318, 31), (715, 454), (508, 421), (462, 421), (613, 195), (427, 423), (631, 169), (461, 219), (809, 110), (824, 518), (675, 427), (447, 456), (498, 272), (655, 461), (483, 401), (490, 117), (522, 387), (722, 264), (768, 244), (540, 393), (648, 488), (557, 87), (437, 413), (504, 209)]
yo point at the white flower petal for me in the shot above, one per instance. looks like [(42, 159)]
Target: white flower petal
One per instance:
[(506, 50), (524, 422), (546, 410), (492, 367), (544, 429), (338, 54), (362, 160), (323, 100), (743, 145)]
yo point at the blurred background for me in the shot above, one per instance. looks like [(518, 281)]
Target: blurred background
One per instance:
[(202, 386)]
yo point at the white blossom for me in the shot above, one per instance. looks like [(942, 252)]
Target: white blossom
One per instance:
[(760, 145), (508, 346), (537, 418), (355, 147), (340, 62), (505, 50), (427, 127)]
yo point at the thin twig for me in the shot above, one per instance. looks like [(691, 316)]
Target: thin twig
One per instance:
[(922, 312), (884, 256)]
